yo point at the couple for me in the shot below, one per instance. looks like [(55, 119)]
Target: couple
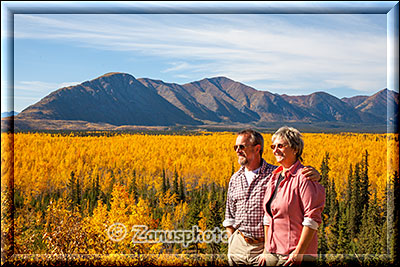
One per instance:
[(273, 213)]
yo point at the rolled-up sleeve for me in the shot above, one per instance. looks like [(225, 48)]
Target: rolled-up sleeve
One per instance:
[(312, 196), (230, 208), (266, 220)]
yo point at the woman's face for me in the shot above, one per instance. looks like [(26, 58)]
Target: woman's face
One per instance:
[(284, 154)]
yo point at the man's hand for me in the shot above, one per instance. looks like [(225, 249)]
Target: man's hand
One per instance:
[(230, 230), (311, 174)]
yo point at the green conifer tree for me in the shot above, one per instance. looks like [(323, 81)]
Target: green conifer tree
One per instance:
[(181, 190), (395, 218), (164, 182), (323, 246), (344, 238), (78, 194), (133, 186), (175, 183), (364, 181), (71, 185), (355, 209)]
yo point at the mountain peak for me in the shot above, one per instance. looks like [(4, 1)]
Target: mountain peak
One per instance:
[(111, 74), (220, 78), (120, 99)]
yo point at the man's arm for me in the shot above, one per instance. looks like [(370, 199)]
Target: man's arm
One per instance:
[(229, 212)]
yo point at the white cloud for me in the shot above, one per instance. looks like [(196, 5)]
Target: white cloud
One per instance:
[(29, 92), (38, 86), (246, 48)]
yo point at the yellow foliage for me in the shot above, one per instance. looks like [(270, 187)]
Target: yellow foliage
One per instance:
[(166, 222), (43, 162), (181, 210)]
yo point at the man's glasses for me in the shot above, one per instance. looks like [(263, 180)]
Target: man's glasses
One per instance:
[(241, 147), (278, 146)]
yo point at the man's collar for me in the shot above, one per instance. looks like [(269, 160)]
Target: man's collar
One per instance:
[(263, 165), (256, 171)]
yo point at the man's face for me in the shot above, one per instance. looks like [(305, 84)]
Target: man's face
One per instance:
[(245, 150)]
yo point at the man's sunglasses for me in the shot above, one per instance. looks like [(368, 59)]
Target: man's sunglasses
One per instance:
[(241, 147)]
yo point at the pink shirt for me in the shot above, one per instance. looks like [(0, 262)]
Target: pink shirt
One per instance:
[(297, 200)]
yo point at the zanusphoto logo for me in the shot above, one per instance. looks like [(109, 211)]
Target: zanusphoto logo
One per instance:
[(141, 234)]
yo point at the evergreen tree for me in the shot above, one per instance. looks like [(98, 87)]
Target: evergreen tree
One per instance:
[(133, 187), (370, 229), (194, 208), (346, 206), (97, 187), (323, 246), (334, 204), (344, 238), (94, 194), (355, 208), (395, 210), (214, 215), (181, 190), (193, 218), (349, 184), (364, 181), (337, 224), (333, 235), (384, 233), (325, 170), (326, 184), (167, 185), (78, 193), (72, 194), (164, 182), (175, 184), (322, 239)]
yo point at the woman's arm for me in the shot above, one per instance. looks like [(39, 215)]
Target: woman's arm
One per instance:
[(296, 256), (261, 259)]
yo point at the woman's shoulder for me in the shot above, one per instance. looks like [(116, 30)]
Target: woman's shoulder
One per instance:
[(306, 181)]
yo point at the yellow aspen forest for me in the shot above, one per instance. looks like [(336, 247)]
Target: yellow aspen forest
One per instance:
[(69, 190)]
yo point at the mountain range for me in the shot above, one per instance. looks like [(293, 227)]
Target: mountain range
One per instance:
[(119, 99), (8, 114)]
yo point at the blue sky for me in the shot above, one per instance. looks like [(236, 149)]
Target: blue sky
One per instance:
[(342, 54)]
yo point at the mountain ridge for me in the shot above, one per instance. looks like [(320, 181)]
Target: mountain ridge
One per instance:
[(119, 99)]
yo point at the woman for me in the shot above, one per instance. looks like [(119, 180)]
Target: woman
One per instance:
[(292, 205)]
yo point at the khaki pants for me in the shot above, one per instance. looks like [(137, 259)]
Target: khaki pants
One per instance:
[(273, 259), (242, 253)]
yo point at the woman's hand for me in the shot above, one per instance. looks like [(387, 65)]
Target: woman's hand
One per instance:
[(262, 259), (293, 259)]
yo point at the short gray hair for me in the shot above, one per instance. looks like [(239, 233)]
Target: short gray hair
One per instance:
[(293, 137), (255, 138)]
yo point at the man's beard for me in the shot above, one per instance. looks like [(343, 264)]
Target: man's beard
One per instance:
[(243, 160)]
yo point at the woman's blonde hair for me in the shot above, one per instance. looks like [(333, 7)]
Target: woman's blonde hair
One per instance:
[(293, 137)]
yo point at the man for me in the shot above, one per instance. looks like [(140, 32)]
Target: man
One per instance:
[(244, 216)]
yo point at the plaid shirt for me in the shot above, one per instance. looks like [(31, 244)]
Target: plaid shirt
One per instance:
[(244, 204)]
